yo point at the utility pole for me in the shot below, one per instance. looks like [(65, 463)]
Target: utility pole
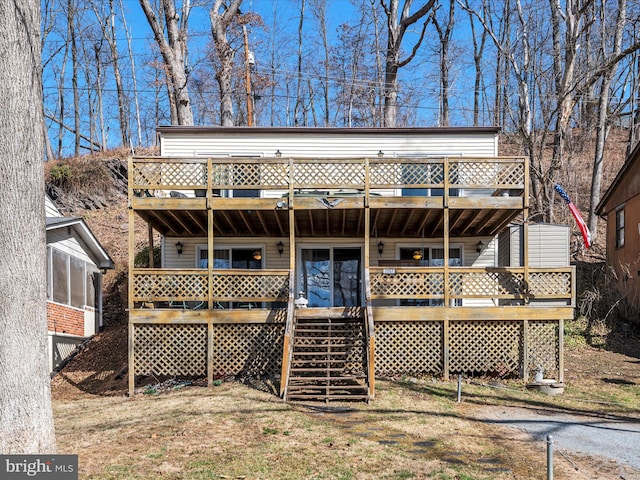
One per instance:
[(247, 65)]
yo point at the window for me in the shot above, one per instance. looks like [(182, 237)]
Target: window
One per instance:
[(70, 280), (620, 227), (76, 281)]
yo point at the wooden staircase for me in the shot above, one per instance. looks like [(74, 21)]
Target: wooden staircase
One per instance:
[(328, 359)]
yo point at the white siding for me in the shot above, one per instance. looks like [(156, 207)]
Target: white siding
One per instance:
[(270, 259), (50, 209), (61, 239), (330, 144)]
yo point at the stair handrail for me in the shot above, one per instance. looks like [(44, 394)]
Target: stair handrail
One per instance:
[(287, 345), (371, 337)]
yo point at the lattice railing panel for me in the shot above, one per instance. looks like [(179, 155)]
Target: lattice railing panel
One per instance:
[(407, 284), (549, 283), (168, 286), (326, 174), (165, 173), (234, 175), (486, 284), (408, 347), (250, 286), (247, 349), (486, 173), (406, 174), (544, 347), (485, 347), (174, 350)]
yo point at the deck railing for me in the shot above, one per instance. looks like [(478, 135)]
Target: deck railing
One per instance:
[(472, 283), (167, 287), (517, 284), (149, 175)]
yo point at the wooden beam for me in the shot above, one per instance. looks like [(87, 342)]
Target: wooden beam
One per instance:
[(247, 223)]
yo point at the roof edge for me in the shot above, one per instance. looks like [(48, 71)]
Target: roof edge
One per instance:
[(631, 159), (325, 130)]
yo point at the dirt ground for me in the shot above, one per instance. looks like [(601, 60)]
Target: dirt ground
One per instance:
[(413, 429)]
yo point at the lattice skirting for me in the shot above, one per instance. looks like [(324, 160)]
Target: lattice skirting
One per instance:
[(251, 350), (486, 347), (409, 348), (544, 351)]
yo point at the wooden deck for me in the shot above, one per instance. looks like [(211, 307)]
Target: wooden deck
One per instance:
[(420, 320)]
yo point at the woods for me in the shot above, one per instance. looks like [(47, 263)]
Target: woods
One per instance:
[(556, 73)]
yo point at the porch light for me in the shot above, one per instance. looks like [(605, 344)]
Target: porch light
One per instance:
[(280, 248), (257, 255), (380, 247), (417, 255), (179, 247), (479, 246), (380, 154), (278, 153)]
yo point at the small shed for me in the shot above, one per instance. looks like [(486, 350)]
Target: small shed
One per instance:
[(548, 246)]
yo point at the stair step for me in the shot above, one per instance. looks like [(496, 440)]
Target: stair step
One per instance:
[(344, 338), (328, 398), (322, 352), (350, 378), (315, 369)]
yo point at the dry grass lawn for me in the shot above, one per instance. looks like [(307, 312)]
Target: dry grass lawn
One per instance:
[(414, 429)]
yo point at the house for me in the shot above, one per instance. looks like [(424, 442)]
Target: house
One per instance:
[(339, 255), (620, 207), (75, 264)]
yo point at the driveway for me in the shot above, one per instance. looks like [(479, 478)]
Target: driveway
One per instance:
[(611, 437)]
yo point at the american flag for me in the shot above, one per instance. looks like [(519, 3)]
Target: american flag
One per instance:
[(586, 234)]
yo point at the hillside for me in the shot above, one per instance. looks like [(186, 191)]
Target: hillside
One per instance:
[(94, 187)]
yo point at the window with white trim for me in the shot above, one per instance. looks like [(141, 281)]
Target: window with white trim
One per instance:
[(620, 227)]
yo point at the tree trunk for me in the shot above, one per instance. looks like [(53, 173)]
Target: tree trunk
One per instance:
[(133, 74), (123, 109), (396, 27), (73, 40), (174, 53), (26, 421), (220, 18), (444, 34)]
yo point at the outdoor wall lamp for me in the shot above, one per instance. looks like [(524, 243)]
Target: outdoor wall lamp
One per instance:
[(257, 255), (417, 255), (280, 248), (179, 247), (380, 247), (479, 246)]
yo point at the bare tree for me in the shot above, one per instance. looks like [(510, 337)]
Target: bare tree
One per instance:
[(398, 21), (444, 30), (73, 41), (319, 9), (478, 52), (221, 16), (26, 420), (173, 49), (106, 20), (603, 108)]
